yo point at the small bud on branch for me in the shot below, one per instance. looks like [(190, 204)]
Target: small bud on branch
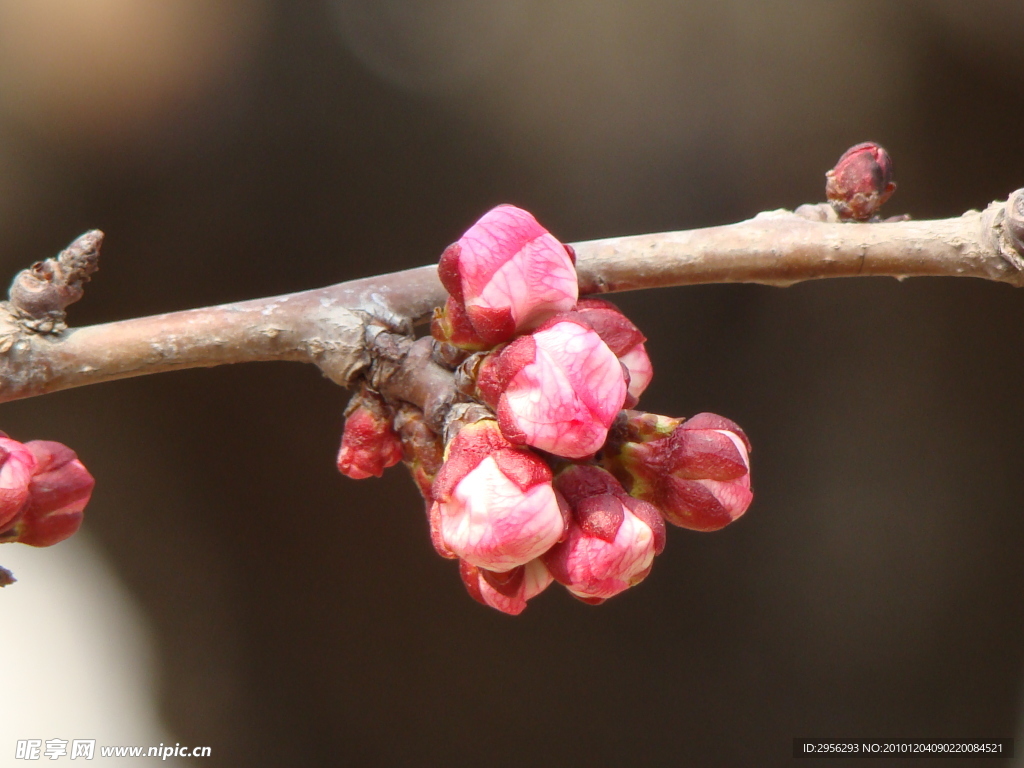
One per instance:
[(861, 182), (40, 293), (369, 444)]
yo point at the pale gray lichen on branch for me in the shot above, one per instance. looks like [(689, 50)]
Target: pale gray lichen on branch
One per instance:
[(341, 327)]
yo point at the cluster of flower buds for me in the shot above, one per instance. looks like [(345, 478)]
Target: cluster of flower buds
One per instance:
[(43, 492), (544, 477)]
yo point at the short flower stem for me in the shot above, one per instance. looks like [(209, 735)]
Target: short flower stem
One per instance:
[(328, 326)]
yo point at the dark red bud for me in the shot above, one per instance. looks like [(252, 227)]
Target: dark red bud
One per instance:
[(860, 182)]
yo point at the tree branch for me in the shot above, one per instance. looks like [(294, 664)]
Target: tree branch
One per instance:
[(336, 327)]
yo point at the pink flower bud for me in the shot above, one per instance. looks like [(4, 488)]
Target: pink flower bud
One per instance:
[(509, 591), (494, 503), (558, 389), (698, 476), (369, 444), (58, 493), (507, 274), (612, 539), (861, 182), (623, 339), (16, 466)]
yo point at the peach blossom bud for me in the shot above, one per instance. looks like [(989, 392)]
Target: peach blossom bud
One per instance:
[(509, 591), (58, 493), (612, 539), (369, 444), (861, 182), (623, 338), (507, 274), (494, 503), (16, 466), (698, 476), (558, 389)]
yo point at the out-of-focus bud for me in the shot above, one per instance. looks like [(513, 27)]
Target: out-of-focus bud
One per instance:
[(17, 464), (861, 182), (58, 493), (624, 339), (612, 539), (558, 389), (508, 591), (506, 274), (698, 476), (369, 444), (494, 503)]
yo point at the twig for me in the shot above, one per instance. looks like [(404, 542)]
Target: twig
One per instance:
[(336, 327)]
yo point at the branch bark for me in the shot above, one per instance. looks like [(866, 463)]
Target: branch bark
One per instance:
[(335, 327)]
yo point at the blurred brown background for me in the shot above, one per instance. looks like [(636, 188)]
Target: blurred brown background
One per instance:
[(241, 148)]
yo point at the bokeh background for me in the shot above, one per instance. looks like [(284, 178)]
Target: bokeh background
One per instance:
[(231, 589)]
